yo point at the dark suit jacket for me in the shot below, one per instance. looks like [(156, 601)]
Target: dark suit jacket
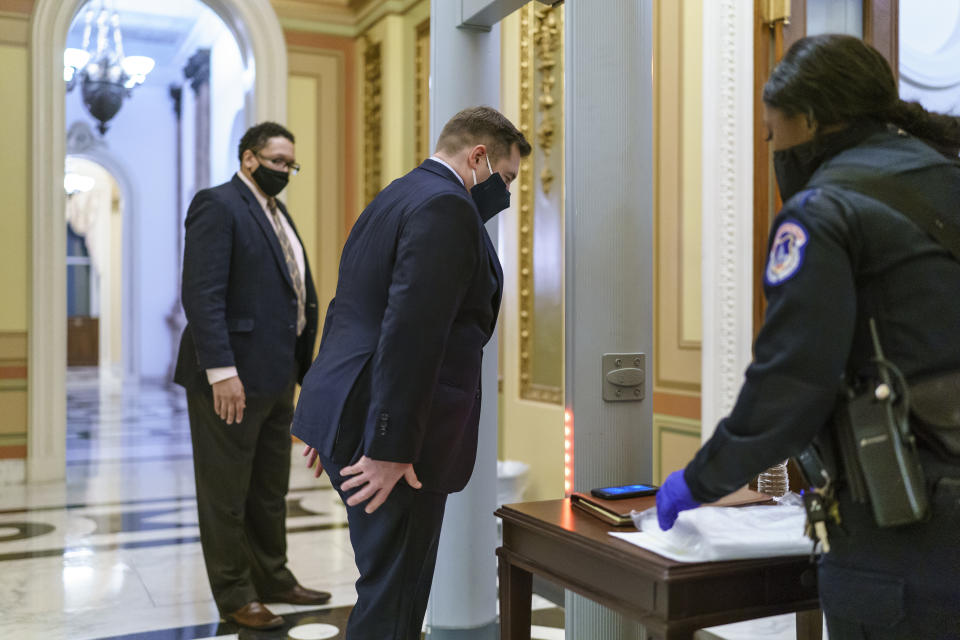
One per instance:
[(398, 372), (238, 296)]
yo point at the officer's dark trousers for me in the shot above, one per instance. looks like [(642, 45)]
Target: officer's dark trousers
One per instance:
[(901, 582), (242, 473), (396, 551)]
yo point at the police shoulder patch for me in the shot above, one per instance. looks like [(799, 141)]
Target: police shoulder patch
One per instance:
[(786, 253)]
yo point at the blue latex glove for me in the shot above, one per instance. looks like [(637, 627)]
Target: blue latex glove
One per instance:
[(672, 498)]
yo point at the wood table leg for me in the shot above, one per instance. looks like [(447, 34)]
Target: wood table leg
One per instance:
[(809, 624), (516, 591)]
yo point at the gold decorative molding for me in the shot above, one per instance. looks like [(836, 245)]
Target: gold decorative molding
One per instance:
[(526, 207), (541, 54), (774, 11), (422, 92), (547, 38), (372, 120)]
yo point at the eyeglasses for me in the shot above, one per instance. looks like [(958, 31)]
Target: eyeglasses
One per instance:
[(280, 163)]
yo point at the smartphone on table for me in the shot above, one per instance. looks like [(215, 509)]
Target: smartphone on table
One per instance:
[(624, 491)]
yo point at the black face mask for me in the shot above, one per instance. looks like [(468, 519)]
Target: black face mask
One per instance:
[(270, 181), (794, 166), (491, 196)]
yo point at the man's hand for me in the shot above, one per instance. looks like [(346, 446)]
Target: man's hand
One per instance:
[(672, 498), (229, 400), (311, 454), (379, 476)]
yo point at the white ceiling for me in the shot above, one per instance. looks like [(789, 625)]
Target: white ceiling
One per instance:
[(159, 30)]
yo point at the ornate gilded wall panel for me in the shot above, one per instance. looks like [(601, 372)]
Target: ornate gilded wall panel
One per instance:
[(541, 205), (372, 120), (422, 92)]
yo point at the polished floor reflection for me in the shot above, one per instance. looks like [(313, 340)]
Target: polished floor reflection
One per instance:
[(114, 551)]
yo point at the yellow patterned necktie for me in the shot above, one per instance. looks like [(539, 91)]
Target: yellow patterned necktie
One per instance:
[(291, 261)]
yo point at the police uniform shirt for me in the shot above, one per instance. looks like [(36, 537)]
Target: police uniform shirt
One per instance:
[(835, 259)]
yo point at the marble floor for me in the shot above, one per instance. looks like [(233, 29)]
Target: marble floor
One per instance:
[(114, 551)]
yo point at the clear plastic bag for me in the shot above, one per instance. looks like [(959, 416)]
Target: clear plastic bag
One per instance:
[(724, 533)]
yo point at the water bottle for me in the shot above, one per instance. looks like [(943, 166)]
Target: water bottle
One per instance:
[(774, 481)]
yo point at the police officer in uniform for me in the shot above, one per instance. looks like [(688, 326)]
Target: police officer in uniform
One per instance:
[(839, 257)]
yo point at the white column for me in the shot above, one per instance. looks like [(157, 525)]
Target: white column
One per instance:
[(465, 71), (609, 254), (727, 204)]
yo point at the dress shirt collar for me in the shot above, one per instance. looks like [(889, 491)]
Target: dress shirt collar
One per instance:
[(436, 159), (256, 192)]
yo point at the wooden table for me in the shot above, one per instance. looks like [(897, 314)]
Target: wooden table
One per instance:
[(671, 599)]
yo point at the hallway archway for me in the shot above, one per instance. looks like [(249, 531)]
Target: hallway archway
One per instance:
[(128, 215), (254, 25)]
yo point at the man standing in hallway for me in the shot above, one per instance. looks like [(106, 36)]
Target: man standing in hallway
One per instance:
[(395, 389), (251, 314)]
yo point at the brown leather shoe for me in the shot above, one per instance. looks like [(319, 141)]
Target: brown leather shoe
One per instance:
[(255, 616), (299, 595)]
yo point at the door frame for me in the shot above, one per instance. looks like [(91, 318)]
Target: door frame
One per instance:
[(260, 37), (880, 29), (129, 215), (727, 215), (738, 194)]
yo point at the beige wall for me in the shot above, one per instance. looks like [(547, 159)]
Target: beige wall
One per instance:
[(395, 79), (14, 226), (532, 431), (677, 324), (321, 114), (326, 112), (14, 181), (320, 72)]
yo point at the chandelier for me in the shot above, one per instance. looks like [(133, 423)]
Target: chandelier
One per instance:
[(104, 74)]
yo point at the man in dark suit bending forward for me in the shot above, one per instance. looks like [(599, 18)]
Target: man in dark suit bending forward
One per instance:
[(394, 392)]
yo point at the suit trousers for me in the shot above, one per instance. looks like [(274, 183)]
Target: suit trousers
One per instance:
[(242, 473), (396, 551)]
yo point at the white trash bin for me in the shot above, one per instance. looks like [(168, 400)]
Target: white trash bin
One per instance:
[(511, 481)]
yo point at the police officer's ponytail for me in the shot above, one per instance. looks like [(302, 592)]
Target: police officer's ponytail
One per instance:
[(939, 130), (839, 79)]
